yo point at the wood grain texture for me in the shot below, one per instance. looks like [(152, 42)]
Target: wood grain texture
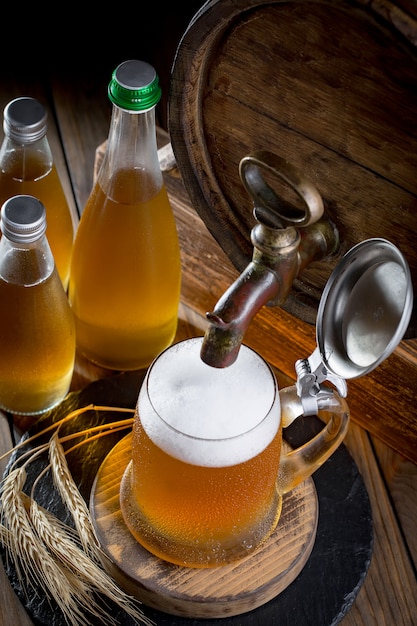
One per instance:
[(11, 610), (325, 83), (395, 602), (401, 478)]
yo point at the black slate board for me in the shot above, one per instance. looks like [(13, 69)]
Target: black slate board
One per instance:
[(325, 589)]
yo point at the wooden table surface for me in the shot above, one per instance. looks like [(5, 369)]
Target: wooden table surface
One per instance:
[(79, 122)]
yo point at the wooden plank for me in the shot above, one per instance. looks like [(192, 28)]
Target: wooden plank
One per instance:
[(11, 610), (401, 479), (83, 118), (389, 595)]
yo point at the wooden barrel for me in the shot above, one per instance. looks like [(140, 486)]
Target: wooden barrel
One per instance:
[(330, 86)]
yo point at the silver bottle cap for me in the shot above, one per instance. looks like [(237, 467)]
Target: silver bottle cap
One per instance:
[(23, 219), (25, 120)]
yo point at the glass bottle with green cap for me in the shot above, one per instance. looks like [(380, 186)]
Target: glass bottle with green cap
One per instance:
[(27, 167), (125, 274), (37, 333)]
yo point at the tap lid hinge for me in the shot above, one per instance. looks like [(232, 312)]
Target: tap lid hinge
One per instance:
[(311, 374)]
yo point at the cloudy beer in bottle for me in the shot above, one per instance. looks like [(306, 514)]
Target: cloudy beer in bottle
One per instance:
[(37, 335), (125, 275), (27, 168)]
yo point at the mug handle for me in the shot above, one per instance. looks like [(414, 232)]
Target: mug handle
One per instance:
[(300, 463)]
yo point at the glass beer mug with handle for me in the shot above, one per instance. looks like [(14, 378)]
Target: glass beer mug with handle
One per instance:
[(208, 470)]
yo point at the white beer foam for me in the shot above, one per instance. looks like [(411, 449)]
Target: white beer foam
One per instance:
[(209, 414)]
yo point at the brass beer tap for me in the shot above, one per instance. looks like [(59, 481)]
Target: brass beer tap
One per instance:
[(285, 239)]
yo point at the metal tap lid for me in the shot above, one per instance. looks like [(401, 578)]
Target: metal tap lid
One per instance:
[(365, 308)]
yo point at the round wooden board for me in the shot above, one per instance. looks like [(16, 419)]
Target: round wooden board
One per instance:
[(201, 593)]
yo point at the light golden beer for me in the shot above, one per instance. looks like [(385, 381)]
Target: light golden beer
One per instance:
[(30, 179), (37, 343), (201, 488), (125, 276)]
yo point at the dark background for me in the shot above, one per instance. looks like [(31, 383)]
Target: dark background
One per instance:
[(84, 39)]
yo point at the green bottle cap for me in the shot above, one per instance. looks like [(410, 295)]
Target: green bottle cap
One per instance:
[(134, 86)]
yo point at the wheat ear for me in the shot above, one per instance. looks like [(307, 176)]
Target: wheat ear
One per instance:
[(14, 517), (28, 553), (72, 498), (59, 540), (50, 555), (70, 494)]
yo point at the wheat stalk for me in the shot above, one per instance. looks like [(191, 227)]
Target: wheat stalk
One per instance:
[(6, 536), (59, 540), (29, 554), (71, 497), (112, 427), (14, 517), (64, 562)]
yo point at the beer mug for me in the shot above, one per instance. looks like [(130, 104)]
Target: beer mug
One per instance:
[(208, 471)]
